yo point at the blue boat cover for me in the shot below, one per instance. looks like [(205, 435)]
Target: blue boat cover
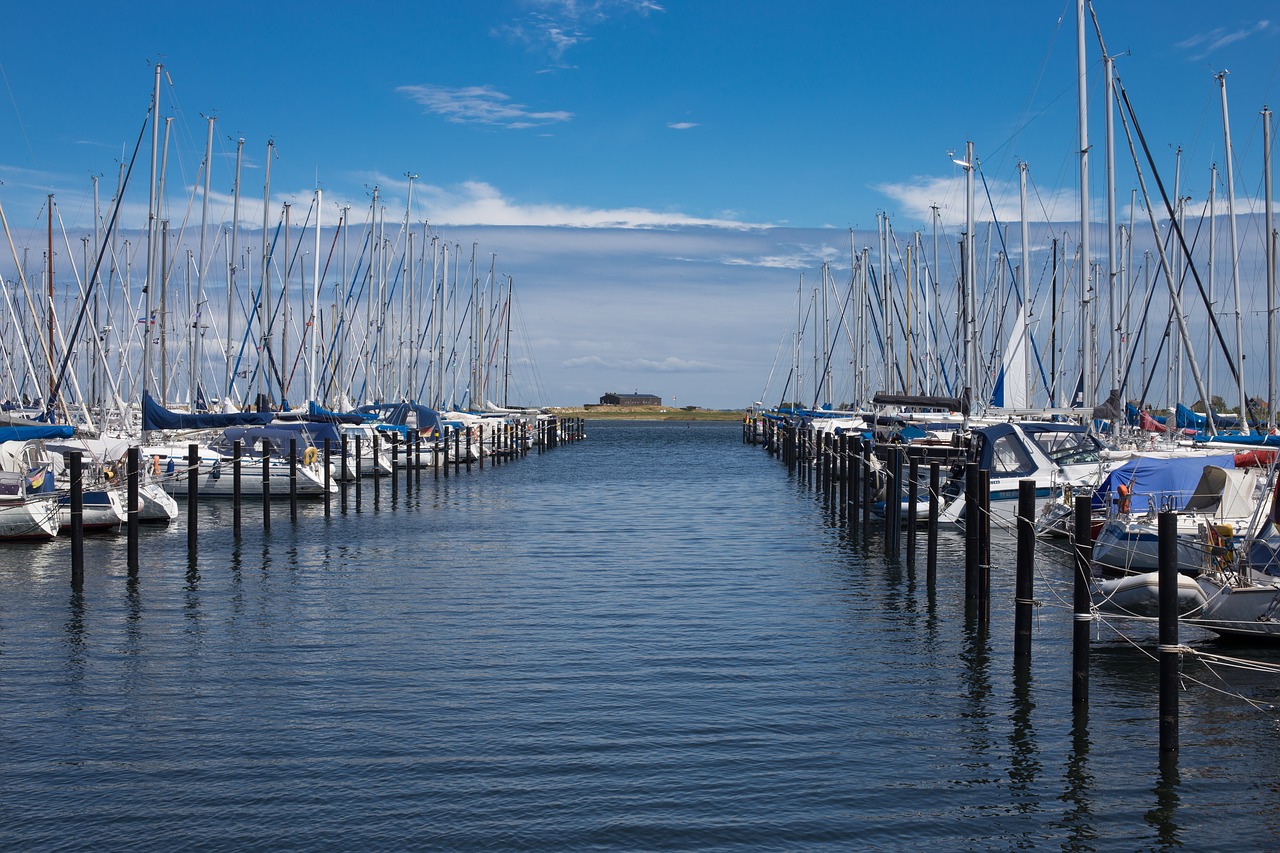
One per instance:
[(1149, 476), (155, 416), (26, 433)]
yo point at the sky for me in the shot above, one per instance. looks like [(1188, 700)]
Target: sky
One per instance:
[(656, 177)]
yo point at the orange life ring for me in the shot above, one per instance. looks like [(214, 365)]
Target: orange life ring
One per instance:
[(1126, 493)]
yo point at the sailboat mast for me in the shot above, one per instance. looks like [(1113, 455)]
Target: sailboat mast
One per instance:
[(315, 304), (1271, 272), (232, 263), (1112, 291), (149, 282), (1086, 348), (198, 366), (1235, 255)]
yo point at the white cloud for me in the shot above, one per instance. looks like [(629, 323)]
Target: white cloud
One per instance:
[(682, 125), (671, 364), (479, 105), (1202, 45)]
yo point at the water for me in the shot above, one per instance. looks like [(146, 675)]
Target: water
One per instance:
[(650, 640)]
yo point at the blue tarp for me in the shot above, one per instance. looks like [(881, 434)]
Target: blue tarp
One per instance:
[(307, 434), (155, 416), (317, 414), (397, 414), (1149, 477), (26, 433), (1188, 419)]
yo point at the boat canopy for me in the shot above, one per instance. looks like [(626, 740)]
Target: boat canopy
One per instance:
[(1169, 481), (155, 416)]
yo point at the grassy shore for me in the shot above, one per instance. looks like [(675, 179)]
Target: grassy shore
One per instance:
[(648, 413)]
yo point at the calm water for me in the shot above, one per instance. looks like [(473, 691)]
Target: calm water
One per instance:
[(651, 640)]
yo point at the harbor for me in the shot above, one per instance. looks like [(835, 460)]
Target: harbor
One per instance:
[(503, 440), (646, 640)]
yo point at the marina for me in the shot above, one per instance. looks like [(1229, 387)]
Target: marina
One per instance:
[(670, 647), (313, 535)]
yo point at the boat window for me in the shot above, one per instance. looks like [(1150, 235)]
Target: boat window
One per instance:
[(1009, 458), (1068, 448)]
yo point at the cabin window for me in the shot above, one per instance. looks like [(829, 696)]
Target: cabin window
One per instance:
[(1009, 458), (1068, 448)]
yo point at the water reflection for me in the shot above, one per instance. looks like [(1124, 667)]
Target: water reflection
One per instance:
[(1024, 764), (1163, 818), (1078, 817)]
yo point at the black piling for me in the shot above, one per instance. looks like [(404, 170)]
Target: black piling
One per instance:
[(1025, 571), (1167, 532), (293, 479), (77, 519), (1081, 602), (855, 481), (346, 477), (193, 497), (395, 469), (235, 488), (266, 485), (134, 474), (913, 512), (867, 486), (931, 540), (359, 472), (328, 459), (972, 532), (984, 533)]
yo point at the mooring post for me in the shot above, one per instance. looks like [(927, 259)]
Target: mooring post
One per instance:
[(193, 496), (891, 492), (235, 488), (266, 485), (457, 449), (293, 479), (395, 468), (133, 471), (931, 541), (77, 518), (377, 459), (972, 530), (1081, 602), (359, 472), (328, 461), (346, 476), (1025, 571), (867, 486), (913, 511), (1170, 656), (855, 482), (984, 533)]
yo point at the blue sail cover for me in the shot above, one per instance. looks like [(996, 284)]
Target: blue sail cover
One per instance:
[(1149, 476), (155, 416), (318, 414), (307, 435), (26, 433), (397, 414)]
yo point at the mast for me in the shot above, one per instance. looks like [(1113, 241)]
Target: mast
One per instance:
[(1271, 272), (1112, 290), (264, 303), (198, 365), (315, 304), (1235, 255), (970, 274), (1086, 348), (232, 262), (49, 305), (1024, 265), (150, 279), (1212, 264)]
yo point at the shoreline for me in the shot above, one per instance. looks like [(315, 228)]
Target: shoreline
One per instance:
[(645, 413)]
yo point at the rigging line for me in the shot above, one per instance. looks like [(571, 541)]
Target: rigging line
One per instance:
[(21, 124), (1173, 221), (97, 264)]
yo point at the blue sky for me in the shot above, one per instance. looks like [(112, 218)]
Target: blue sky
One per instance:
[(655, 176)]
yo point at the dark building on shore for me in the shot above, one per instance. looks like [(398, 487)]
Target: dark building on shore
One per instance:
[(636, 399)]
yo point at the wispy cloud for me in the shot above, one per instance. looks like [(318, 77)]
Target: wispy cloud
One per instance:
[(682, 125), (479, 105), (671, 364), (479, 203), (556, 26), (1203, 45)]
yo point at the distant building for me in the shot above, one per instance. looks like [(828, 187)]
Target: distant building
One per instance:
[(636, 399)]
